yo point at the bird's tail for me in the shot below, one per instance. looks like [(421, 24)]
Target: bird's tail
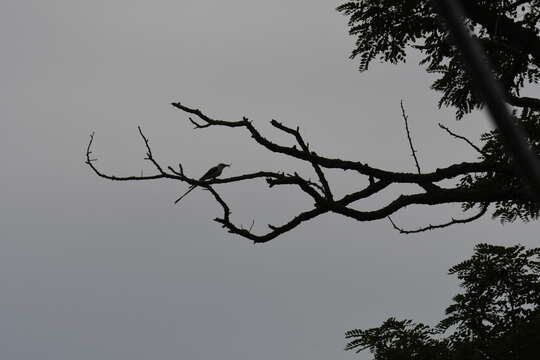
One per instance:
[(187, 192)]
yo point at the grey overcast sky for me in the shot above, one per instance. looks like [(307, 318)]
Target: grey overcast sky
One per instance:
[(91, 269)]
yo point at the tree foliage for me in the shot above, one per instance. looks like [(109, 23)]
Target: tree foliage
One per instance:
[(497, 316), (387, 31)]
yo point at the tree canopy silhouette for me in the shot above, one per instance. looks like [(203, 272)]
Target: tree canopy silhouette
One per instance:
[(497, 316), (386, 31)]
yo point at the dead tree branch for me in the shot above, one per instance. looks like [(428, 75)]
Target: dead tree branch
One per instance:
[(320, 192), (449, 172)]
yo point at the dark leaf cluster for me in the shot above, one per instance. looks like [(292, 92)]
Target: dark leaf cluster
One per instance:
[(494, 150), (386, 29), (497, 316)]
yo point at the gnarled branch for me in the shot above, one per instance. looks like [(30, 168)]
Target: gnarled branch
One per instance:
[(320, 192)]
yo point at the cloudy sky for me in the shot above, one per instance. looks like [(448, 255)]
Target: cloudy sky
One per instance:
[(91, 269)]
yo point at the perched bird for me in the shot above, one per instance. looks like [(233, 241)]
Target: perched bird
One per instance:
[(210, 174)]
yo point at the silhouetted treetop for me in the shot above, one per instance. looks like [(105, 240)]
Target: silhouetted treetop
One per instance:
[(497, 316), (386, 30)]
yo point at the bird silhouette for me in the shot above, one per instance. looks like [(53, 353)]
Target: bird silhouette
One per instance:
[(212, 173)]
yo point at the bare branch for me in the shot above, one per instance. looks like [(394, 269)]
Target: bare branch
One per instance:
[(449, 172), (371, 189), (207, 119), (149, 155), (275, 230), (443, 196), (413, 151), (320, 191), (91, 161), (305, 185), (197, 125), (462, 138), (483, 210), (305, 148), (271, 177)]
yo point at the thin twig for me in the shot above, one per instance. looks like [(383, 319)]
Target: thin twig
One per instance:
[(197, 125), (90, 162), (462, 138), (413, 151), (149, 155), (483, 210)]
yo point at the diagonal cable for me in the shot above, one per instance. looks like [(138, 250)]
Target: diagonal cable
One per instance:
[(490, 89)]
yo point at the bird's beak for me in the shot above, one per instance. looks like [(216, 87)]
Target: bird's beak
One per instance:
[(227, 164)]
